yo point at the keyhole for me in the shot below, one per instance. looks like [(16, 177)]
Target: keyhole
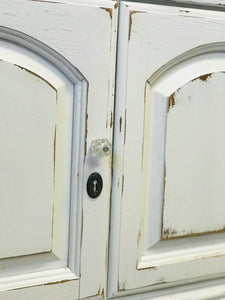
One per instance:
[(95, 185)]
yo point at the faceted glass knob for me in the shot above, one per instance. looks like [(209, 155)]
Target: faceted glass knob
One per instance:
[(101, 147)]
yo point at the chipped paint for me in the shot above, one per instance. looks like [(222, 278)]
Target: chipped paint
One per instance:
[(205, 77), (53, 209), (54, 152), (40, 77), (138, 237), (171, 101), (184, 11), (144, 122), (106, 255), (163, 203), (86, 123), (169, 232), (122, 184), (102, 293), (131, 21), (86, 132), (121, 287), (54, 2), (121, 120), (82, 228), (111, 120), (44, 284), (54, 171), (160, 281), (25, 256), (125, 127), (131, 13), (58, 282), (145, 268), (191, 16), (109, 10), (116, 4), (192, 217)]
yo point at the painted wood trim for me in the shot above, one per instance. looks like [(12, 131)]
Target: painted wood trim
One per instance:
[(120, 136), (118, 149), (206, 290), (202, 4), (52, 290), (37, 278), (21, 39), (30, 61)]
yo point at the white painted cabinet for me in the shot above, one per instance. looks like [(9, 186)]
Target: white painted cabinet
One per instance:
[(168, 191), (166, 183), (57, 69)]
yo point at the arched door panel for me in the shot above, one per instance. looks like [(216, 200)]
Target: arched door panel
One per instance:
[(168, 187), (56, 68)]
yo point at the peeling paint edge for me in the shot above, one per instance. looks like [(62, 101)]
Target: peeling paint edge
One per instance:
[(189, 234), (39, 285), (109, 10), (36, 75), (86, 123), (131, 13), (43, 1)]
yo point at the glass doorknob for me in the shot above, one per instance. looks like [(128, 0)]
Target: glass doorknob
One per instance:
[(101, 147)]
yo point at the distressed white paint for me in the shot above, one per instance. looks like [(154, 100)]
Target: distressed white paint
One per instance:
[(36, 278), (211, 289), (218, 3), (37, 116), (195, 165), (27, 122), (158, 89), (157, 45), (61, 33), (69, 290)]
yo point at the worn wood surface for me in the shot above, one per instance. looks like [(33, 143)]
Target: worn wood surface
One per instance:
[(79, 37), (157, 43)]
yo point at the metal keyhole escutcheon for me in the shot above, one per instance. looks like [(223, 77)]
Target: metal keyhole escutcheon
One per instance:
[(94, 185)]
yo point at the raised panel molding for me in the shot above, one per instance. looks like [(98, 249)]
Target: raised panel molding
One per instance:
[(194, 159), (75, 37), (160, 91), (156, 245), (66, 157), (215, 3), (203, 4), (161, 49)]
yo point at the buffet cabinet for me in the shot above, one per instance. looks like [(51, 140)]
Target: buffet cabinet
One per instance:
[(112, 142)]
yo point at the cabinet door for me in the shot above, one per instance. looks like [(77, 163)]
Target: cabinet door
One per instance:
[(56, 98), (169, 165)]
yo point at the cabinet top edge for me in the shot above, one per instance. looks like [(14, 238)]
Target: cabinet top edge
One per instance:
[(99, 3), (202, 4)]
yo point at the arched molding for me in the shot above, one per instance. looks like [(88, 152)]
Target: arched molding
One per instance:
[(197, 63), (71, 87), (192, 61), (18, 38)]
